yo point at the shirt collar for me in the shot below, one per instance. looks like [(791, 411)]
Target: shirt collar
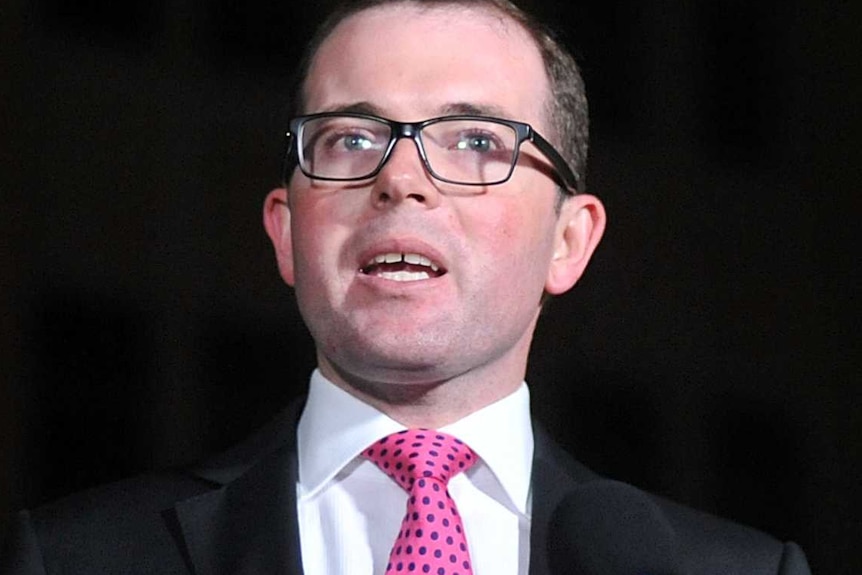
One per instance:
[(335, 427), (502, 435)]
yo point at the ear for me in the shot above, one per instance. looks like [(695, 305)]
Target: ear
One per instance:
[(579, 228), (276, 220)]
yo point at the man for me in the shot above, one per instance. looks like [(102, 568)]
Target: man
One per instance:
[(424, 219)]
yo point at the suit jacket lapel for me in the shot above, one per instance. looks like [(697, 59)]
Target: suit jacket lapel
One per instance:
[(249, 524), (555, 474)]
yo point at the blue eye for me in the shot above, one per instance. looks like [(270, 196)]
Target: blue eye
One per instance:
[(475, 143), (356, 142)]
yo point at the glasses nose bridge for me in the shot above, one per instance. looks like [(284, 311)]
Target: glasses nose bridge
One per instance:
[(410, 131)]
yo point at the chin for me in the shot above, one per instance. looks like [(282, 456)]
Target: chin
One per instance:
[(406, 363)]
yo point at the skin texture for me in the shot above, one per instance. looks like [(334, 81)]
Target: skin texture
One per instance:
[(429, 352)]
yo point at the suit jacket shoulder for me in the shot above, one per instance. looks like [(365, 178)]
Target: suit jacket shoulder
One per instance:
[(710, 544), (701, 543), (207, 519), (102, 529)]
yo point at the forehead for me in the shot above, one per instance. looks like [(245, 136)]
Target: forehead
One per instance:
[(413, 62)]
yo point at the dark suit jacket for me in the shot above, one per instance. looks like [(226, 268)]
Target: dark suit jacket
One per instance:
[(236, 515)]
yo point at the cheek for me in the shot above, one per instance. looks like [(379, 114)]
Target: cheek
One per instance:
[(516, 241), (313, 242)]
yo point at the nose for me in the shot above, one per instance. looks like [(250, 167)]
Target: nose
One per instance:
[(404, 177)]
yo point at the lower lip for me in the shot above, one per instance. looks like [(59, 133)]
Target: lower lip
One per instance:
[(396, 285)]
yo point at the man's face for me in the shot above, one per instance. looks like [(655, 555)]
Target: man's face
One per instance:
[(492, 248)]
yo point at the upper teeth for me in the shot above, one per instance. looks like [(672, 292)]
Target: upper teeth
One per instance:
[(394, 257)]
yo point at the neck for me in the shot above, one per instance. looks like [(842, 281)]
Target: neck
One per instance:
[(433, 404)]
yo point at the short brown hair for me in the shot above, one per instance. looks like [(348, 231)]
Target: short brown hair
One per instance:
[(566, 107)]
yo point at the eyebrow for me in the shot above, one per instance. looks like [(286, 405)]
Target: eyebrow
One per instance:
[(470, 109), (451, 109), (356, 108)]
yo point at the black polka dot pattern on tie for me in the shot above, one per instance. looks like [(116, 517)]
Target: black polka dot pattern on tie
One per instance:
[(431, 539)]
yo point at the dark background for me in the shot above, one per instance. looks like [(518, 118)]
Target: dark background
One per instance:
[(710, 354)]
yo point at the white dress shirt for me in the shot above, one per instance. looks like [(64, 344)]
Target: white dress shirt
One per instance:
[(350, 511)]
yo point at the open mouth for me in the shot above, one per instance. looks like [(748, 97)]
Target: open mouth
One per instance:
[(402, 267)]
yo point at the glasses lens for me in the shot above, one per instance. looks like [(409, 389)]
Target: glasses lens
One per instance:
[(342, 147), (470, 151)]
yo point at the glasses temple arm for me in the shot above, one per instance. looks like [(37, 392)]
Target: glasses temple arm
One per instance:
[(570, 179)]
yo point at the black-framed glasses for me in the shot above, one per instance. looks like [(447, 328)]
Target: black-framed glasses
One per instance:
[(463, 149)]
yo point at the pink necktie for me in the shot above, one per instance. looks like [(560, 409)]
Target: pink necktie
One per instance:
[(431, 539)]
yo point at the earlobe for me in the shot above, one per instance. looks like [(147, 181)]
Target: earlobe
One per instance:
[(579, 230), (276, 221)]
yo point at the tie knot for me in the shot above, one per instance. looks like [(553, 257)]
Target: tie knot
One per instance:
[(420, 453)]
